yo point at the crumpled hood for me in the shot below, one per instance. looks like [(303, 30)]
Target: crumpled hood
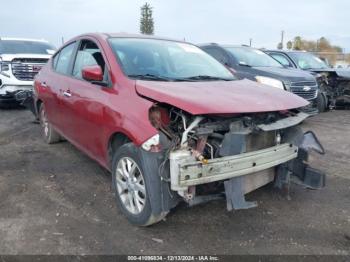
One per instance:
[(343, 73), (10, 57), (220, 97)]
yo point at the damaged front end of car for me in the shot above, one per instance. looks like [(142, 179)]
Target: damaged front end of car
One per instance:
[(206, 157), (335, 87), (26, 98)]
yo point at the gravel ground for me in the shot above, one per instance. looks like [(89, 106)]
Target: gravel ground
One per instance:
[(55, 200)]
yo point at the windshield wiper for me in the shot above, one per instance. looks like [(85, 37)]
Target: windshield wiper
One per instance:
[(150, 77), (203, 77)]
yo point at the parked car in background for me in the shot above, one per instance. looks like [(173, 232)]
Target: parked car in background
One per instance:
[(171, 123), (255, 65), (20, 60), (334, 83)]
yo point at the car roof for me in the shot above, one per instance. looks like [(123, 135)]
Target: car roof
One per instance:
[(226, 46), (207, 44), (238, 46), (127, 35), (285, 51)]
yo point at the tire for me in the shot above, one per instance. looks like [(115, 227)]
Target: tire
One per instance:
[(49, 134), (321, 103), (132, 187)]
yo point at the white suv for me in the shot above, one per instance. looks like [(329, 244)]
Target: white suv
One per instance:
[(20, 60)]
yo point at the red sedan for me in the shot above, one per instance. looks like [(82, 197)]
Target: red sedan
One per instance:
[(171, 123)]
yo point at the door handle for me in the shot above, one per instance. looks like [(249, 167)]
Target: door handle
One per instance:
[(67, 94)]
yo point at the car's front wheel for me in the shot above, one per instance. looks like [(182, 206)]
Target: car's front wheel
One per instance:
[(321, 103), (132, 187), (50, 135)]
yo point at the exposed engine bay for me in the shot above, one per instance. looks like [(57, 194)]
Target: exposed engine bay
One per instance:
[(237, 154), (335, 88)]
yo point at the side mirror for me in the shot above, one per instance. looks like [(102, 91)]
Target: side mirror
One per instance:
[(92, 73)]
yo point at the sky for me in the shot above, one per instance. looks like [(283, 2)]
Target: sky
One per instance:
[(196, 21)]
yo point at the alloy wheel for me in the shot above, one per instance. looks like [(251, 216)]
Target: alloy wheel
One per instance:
[(130, 185), (44, 123)]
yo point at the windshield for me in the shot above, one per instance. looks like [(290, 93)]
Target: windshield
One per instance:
[(252, 57), (307, 61), (25, 47), (162, 60)]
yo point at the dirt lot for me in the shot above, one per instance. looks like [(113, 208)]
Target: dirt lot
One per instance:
[(55, 200)]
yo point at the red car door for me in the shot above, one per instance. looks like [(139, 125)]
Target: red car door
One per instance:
[(56, 80), (44, 83), (85, 103)]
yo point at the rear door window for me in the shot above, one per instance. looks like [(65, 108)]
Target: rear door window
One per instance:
[(64, 58)]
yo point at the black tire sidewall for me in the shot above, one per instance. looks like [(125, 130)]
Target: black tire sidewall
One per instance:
[(321, 103), (130, 150), (52, 136)]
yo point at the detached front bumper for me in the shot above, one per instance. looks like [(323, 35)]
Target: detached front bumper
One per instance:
[(196, 173), (245, 172), (26, 99), (8, 94)]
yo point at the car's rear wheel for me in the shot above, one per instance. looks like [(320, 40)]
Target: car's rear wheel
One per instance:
[(132, 188), (49, 133)]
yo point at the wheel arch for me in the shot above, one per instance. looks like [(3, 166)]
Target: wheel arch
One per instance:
[(38, 103), (115, 141)]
